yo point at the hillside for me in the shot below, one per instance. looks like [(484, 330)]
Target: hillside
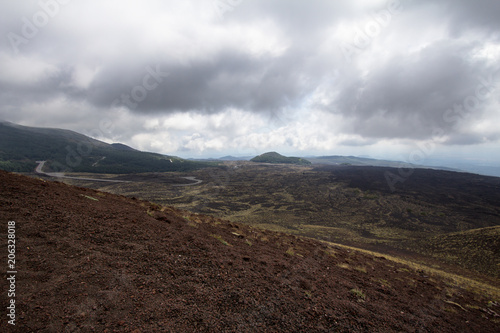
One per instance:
[(275, 158), (93, 261), (478, 249), (353, 205), (65, 151)]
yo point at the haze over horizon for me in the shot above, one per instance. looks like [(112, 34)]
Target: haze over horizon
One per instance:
[(417, 81)]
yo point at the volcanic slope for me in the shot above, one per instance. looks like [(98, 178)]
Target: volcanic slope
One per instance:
[(65, 151), (92, 261)]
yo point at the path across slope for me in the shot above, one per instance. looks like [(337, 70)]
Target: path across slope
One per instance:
[(39, 169)]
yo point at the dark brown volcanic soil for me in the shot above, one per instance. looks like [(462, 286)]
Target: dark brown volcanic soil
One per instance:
[(122, 265)]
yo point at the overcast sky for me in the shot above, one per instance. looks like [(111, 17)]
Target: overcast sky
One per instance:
[(389, 79)]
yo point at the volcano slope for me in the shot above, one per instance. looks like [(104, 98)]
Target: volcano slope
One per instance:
[(92, 261)]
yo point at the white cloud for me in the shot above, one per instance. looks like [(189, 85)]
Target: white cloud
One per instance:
[(24, 70)]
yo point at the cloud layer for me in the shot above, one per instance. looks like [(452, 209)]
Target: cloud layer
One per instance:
[(215, 77)]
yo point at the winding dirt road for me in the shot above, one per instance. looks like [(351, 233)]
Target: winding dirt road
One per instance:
[(196, 181), (39, 169)]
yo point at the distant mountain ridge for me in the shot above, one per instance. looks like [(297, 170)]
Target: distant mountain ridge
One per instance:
[(365, 161), (340, 160), (274, 157), (65, 151), (233, 158)]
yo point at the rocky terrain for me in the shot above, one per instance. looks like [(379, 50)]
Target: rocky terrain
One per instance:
[(89, 261), (452, 218)]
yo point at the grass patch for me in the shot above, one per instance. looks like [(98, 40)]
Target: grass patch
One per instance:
[(359, 294), (331, 252), (291, 252), (492, 304), (383, 282), (472, 307), (89, 197), (449, 309), (220, 239), (360, 269), (192, 224), (344, 266)]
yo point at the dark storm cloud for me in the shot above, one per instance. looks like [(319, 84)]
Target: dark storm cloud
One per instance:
[(409, 96), (231, 79), (471, 138), (464, 15), (39, 90), (206, 85)]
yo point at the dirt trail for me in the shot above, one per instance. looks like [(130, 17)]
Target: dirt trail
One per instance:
[(39, 169), (196, 181)]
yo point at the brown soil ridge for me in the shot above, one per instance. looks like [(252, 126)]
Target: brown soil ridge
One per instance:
[(90, 261)]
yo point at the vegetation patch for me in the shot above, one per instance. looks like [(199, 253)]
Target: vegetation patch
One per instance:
[(331, 252), (359, 294), (89, 197), (383, 282), (192, 224), (361, 269), (220, 239)]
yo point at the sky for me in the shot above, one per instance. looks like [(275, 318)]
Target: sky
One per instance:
[(407, 80)]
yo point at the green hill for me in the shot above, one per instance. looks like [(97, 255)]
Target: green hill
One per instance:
[(65, 151), (275, 158)]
